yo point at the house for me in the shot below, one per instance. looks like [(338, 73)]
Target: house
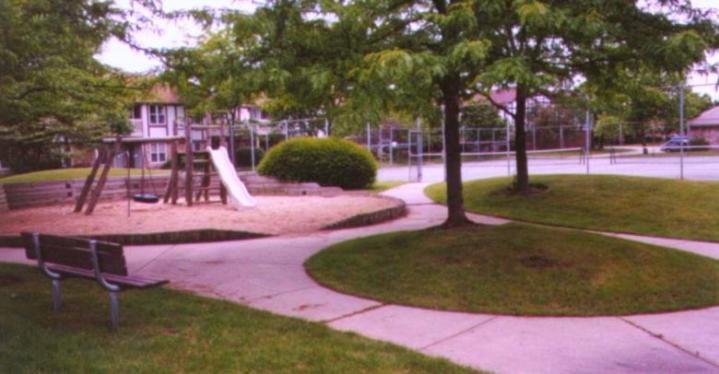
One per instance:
[(161, 114), (705, 126), (507, 97)]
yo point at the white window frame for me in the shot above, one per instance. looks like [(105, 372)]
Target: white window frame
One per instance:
[(157, 114), (158, 153)]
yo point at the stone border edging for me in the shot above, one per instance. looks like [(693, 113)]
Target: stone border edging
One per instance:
[(372, 218), (173, 237), (4, 206)]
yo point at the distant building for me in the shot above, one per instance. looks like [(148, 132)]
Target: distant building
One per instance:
[(507, 97), (162, 114), (706, 126)]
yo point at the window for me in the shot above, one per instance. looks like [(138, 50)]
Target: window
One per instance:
[(157, 114), (158, 152), (136, 112)]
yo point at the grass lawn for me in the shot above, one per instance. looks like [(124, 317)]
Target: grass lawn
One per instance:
[(168, 331), (652, 206), (518, 269), (69, 174), (378, 187)]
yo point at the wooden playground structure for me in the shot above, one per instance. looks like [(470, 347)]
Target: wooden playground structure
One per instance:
[(188, 152)]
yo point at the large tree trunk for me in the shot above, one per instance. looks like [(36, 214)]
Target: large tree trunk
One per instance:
[(521, 184), (453, 165)]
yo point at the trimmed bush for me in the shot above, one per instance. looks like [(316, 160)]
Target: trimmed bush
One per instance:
[(326, 161)]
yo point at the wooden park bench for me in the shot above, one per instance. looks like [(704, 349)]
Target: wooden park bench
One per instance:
[(59, 257)]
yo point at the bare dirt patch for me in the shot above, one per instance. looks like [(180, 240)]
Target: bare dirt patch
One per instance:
[(272, 215)]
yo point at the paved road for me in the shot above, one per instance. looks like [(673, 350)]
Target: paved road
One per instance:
[(268, 274), (696, 167)]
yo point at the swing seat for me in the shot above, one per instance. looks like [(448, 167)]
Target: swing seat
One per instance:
[(146, 198)]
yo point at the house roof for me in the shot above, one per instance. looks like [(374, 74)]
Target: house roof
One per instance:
[(504, 96), (162, 94), (707, 118)]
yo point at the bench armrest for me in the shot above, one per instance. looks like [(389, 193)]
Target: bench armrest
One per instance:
[(98, 272)]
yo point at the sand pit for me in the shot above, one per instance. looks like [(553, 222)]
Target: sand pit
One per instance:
[(273, 215)]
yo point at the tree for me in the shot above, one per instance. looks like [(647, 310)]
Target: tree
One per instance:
[(480, 115), (218, 75), (375, 55), (642, 101), (52, 89), (541, 47)]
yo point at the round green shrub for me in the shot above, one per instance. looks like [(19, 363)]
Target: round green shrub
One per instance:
[(326, 161)]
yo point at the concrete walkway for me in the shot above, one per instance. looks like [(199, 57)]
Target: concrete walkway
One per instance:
[(268, 274)]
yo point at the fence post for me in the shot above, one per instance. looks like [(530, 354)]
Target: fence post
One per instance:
[(588, 138), (681, 131), (409, 155), (508, 150), (368, 132), (252, 145), (391, 146), (420, 150)]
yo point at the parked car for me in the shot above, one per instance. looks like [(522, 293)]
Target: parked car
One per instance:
[(675, 144)]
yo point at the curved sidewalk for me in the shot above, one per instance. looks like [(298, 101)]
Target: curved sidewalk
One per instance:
[(268, 274)]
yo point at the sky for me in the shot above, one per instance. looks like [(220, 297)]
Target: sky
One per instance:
[(163, 34), (172, 34)]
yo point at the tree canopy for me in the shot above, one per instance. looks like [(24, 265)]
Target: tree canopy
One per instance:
[(354, 61), (51, 86)]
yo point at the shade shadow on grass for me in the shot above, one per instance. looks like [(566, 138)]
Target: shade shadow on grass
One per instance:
[(649, 206), (164, 331)]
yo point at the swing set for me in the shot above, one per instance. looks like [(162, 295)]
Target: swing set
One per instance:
[(179, 146)]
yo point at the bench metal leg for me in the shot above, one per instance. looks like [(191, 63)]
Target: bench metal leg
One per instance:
[(56, 297), (114, 310)]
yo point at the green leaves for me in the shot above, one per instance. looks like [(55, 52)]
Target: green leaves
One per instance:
[(468, 52), (531, 12), (51, 86)]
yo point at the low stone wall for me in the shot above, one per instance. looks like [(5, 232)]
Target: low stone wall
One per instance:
[(173, 237), (3, 200), (372, 218), (26, 195)]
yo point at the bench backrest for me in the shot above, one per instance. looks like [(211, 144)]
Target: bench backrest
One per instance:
[(76, 252)]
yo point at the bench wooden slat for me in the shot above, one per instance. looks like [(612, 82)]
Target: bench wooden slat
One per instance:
[(81, 258), (127, 281), (75, 252), (68, 241)]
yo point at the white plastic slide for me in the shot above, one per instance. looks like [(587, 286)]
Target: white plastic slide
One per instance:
[(239, 196)]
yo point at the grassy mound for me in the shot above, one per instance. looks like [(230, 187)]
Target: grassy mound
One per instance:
[(518, 269), (651, 206), (170, 331)]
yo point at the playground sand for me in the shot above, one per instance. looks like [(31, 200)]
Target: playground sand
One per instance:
[(272, 215)]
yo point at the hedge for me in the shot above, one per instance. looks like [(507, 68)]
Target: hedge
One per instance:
[(326, 161)]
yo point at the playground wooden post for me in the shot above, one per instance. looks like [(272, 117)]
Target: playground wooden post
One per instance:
[(95, 196), (224, 139), (171, 191), (90, 179), (188, 164)]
